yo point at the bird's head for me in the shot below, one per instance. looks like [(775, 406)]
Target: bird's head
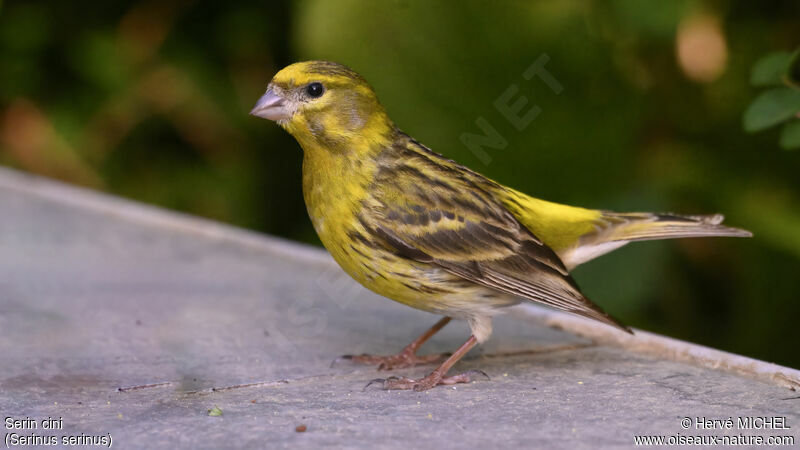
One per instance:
[(323, 103)]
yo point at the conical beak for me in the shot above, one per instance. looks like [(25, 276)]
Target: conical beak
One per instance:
[(271, 106)]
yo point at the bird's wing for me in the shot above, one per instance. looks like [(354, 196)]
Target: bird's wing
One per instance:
[(432, 210)]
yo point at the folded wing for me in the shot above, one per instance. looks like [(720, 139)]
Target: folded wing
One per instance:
[(431, 210)]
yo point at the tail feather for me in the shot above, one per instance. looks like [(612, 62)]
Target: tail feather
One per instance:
[(644, 226), (613, 230)]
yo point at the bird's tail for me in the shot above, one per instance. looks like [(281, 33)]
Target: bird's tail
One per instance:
[(578, 235), (613, 230), (648, 226)]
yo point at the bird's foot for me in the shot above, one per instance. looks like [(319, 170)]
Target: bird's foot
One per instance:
[(399, 361), (433, 379)]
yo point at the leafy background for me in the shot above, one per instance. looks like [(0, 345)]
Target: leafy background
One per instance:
[(148, 100)]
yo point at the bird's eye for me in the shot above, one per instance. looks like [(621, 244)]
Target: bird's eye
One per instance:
[(315, 90)]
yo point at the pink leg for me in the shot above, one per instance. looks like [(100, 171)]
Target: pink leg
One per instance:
[(407, 357), (438, 376)]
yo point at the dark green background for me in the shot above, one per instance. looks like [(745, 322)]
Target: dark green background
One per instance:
[(149, 100)]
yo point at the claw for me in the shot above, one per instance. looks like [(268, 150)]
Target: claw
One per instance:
[(478, 372), (373, 381)]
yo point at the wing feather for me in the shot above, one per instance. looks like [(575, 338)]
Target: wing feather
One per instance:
[(430, 209)]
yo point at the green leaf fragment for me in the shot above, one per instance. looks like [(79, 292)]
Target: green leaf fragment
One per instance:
[(770, 108), (790, 136), (792, 74), (215, 411), (769, 70)]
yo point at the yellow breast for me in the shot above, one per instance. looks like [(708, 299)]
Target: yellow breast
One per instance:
[(334, 187)]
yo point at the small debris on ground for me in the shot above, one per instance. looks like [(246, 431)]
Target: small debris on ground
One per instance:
[(300, 428), (215, 411)]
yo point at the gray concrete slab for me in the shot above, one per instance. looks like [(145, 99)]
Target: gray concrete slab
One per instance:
[(98, 294)]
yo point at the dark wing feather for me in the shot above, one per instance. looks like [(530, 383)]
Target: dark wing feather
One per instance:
[(430, 209)]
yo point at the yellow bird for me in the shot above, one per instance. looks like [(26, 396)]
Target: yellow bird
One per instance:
[(425, 231)]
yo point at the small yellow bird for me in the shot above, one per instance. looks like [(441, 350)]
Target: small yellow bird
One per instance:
[(423, 230)]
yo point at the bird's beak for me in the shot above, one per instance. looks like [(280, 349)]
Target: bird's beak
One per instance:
[(271, 106)]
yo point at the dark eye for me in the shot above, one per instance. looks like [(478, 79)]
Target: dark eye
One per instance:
[(315, 90)]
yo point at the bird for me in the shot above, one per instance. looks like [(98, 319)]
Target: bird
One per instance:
[(425, 231)]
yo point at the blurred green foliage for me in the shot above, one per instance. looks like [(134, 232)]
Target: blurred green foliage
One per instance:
[(778, 105), (148, 99)]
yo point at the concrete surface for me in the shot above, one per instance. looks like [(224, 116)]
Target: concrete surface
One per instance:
[(98, 294)]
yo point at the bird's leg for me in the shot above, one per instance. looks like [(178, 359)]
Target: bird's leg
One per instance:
[(407, 357), (438, 376)]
